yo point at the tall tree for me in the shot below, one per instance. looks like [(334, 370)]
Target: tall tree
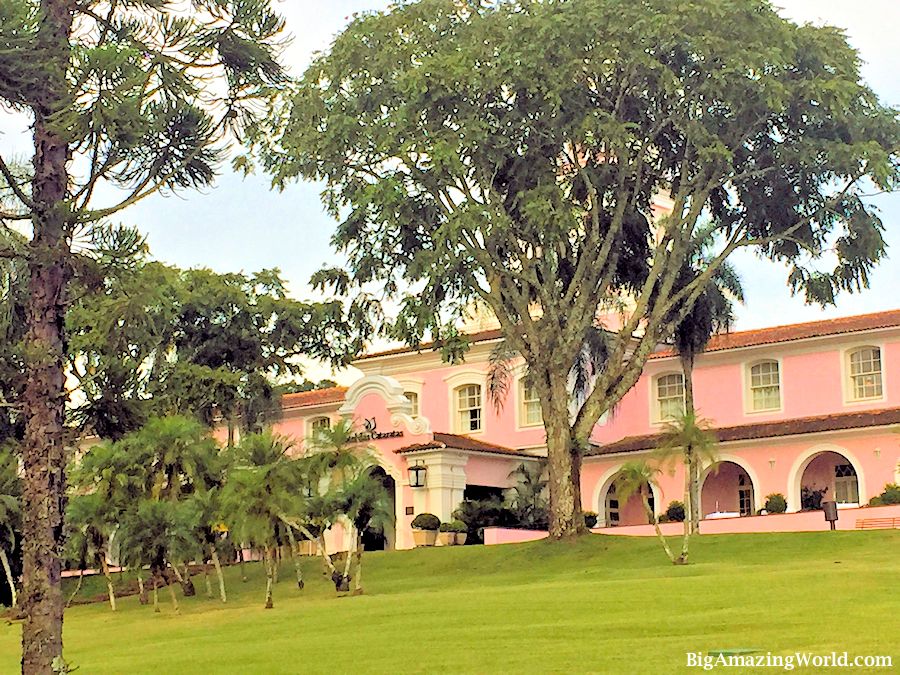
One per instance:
[(711, 313), (468, 163), (139, 96)]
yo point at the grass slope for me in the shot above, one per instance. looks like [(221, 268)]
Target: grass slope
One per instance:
[(600, 604)]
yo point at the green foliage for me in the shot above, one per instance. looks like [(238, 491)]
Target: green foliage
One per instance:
[(890, 495), (528, 499), (811, 499), (453, 526), (775, 503), (426, 521), (147, 338), (478, 514), (590, 519), (675, 512)]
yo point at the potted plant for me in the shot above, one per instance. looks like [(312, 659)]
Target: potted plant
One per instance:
[(452, 534), (590, 519), (425, 527)]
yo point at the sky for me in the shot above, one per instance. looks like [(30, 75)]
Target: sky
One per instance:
[(242, 225)]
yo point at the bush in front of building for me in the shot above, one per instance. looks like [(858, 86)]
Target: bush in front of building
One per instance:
[(674, 512), (478, 514), (811, 500), (454, 526), (426, 521), (590, 519), (775, 503), (890, 495)]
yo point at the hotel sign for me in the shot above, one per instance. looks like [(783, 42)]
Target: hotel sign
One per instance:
[(370, 433)]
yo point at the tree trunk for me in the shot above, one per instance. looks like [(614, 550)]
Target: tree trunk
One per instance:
[(357, 581), (155, 580), (43, 451), (298, 569), (692, 514), (215, 559), (241, 562), (143, 591), (171, 588), (209, 591), (187, 586), (652, 516), (77, 587), (104, 567), (9, 577), (270, 576), (564, 462)]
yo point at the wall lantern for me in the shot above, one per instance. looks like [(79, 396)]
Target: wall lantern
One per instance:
[(417, 475)]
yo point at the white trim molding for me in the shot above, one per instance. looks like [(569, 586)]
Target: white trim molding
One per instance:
[(391, 391), (795, 475)]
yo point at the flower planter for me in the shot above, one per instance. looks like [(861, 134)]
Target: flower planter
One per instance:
[(424, 537), (451, 538)]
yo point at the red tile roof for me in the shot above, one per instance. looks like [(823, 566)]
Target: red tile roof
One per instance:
[(760, 430), (483, 336), (303, 399), (456, 442), (797, 331)]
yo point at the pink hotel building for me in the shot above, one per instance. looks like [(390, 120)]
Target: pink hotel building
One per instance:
[(813, 405)]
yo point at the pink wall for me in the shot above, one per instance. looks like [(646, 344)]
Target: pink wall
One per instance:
[(812, 383), (807, 521)]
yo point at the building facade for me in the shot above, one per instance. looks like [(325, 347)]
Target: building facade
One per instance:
[(810, 411)]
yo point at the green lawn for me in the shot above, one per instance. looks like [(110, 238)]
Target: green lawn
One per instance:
[(601, 604)]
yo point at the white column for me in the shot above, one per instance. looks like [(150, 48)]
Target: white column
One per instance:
[(445, 482)]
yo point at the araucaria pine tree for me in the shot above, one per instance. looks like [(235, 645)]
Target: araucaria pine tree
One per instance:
[(138, 96)]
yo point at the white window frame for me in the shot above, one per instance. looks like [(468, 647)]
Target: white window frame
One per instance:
[(522, 410), (850, 397), (454, 382), (657, 418), (311, 424), (415, 401), (458, 424), (413, 386), (748, 386)]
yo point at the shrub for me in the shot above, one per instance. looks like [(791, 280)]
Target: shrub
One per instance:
[(454, 526), (478, 514), (776, 503), (876, 501), (811, 500), (891, 494), (590, 519), (675, 512), (663, 518), (426, 521)]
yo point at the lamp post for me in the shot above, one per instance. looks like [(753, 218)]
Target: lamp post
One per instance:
[(417, 474)]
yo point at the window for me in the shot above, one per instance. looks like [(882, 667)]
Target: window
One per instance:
[(319, 424), (414, 401), (765, 386), (468, 408), (670, 396), (745, 496), (529, 406), (846, 485), (865, 373)]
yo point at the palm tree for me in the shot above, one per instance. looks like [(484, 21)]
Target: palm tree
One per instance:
[(363, 499), (638, 477), (10, 512), (262, 488), (154, 533), (688, 431), (92, 524), (529, 500), (712, 313)]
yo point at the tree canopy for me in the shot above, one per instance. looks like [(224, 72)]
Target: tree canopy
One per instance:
[(467, 159)]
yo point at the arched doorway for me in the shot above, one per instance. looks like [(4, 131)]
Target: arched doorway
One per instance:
[(727, 490), (383, 539), (828, 476), (618, 512)]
